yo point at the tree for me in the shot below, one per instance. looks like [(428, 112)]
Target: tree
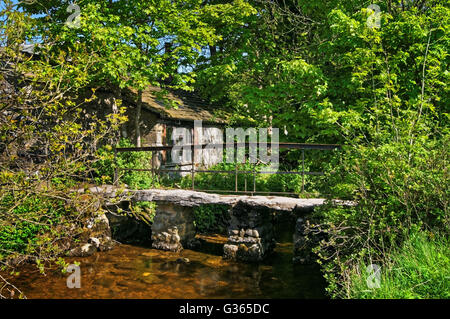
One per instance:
[(129, 36), (48, 143)]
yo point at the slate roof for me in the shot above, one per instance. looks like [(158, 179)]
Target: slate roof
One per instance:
[(188, 106)]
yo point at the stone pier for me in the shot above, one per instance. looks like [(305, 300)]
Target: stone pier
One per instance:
[(250, 233), (173, 226)]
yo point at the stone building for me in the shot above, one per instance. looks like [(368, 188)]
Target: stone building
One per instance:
[(164, 117)]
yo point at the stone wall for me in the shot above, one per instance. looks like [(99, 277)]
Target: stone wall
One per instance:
[(96, 236)]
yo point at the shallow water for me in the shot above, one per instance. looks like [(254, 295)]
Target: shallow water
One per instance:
[(140, 272)]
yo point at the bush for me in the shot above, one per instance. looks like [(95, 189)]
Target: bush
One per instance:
[(105, 166), (399, 191), (37, 227), (419, 269)]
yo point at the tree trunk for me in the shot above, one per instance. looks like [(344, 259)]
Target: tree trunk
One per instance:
[(115, 109), (138, 119), (212, 50)]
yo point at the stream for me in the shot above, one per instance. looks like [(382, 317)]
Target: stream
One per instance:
[(141, 272)]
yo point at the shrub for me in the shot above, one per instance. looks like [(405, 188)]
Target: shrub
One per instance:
[(418, 269), (399, 191), (37, 227), (105, 166)]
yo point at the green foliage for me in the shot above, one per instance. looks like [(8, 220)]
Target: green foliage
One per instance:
[(30, 226), (47, 144), (128, 36), (313, 68), (211, 218), (319, 71), (418, 269), (398, 188), (105, 166), (144, 211), (263, 182), (393, 119), (323, 74)]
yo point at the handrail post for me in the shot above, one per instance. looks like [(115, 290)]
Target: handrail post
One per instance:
[(153, 169), (245, 174), (254, 179), (193, 167), (116, 171), (303, 170), (236, 177)]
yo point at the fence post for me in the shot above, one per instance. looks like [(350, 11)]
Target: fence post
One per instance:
[(153, 169), (193, 167), (116, 172), (303, 170)]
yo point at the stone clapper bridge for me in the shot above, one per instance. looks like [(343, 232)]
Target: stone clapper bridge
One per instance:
[(250, 231)]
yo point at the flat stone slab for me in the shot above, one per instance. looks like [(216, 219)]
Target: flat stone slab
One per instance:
[(189, 198)]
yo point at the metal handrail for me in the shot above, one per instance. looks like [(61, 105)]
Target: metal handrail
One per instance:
[(236, 172)]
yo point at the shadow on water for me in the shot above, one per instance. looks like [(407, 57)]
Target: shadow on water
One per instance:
[(141, 272)]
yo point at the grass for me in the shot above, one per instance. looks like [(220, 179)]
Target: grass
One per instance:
[(420, 269)]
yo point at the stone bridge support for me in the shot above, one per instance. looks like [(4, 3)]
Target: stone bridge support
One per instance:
[(173, 226), (250, 234), (251, 229)]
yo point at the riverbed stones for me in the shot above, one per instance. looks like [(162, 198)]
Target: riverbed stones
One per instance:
[(183, 260)]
